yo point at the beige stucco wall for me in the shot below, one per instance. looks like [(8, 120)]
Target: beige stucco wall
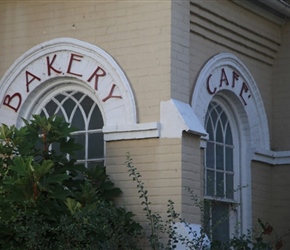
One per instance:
[(135, 34)]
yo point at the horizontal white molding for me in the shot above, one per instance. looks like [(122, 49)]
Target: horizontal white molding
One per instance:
[(271, 157), (131, 131)]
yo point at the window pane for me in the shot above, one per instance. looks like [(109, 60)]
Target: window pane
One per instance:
[(78, 95), (96, 146), (96, 120), (230, 186), (210, 155), (78, 120), (59, 113), (224, 119), (69, 105), (87, 104), (209, 130), (220, 185), (210, 182), (220, 221), (50, 108), (60, 97), (213, 115), (219, 133), (219, 157), (56, 148), (229, 159), (229, 138), (81, 139)]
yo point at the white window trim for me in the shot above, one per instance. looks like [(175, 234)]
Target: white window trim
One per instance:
[(234, 217)]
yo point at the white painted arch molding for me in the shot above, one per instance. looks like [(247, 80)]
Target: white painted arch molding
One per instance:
[(62, 61), (214, 74)]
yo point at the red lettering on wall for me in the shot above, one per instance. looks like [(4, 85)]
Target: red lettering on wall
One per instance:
[(244, 89), (27, 73), (223, 78), (110, 95), (50, 67), (235, 78), (96, 74), (211, 92), (8, 99), (73, 57)]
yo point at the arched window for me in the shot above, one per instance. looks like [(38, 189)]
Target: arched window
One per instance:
[(78, 109), (221, 173)]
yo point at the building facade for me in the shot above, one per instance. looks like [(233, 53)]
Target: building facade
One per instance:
[(195, 91)]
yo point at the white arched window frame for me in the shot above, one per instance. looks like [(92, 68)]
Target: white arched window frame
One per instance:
[(79, 107), (222, 173), (251, 118)]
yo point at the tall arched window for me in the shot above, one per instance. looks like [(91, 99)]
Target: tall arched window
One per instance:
[(78, 109), (221, 173)]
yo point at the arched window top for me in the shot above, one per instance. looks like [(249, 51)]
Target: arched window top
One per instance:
[(77, 108), (82, 112), (224, 74), (217, 125)]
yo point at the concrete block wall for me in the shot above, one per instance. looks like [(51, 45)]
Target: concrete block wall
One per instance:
[(135, 34), (180, 47), (271, 198), (192, 176), (262, 191), (159, 163), (281, 201), (281, 90), (224, 26)]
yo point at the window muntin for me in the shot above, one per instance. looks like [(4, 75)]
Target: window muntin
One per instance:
[(81, 112), (220, 175), (219, 170)]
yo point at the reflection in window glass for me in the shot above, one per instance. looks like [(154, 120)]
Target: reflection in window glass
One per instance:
[(219, 172), (81, 112)]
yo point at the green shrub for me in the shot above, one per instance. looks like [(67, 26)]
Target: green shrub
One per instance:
[(48, 201)]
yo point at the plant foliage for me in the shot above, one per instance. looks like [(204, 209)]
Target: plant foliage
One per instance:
[(49, 201), (164, 234)]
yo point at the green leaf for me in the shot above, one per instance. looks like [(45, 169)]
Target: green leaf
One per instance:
[(73, 205), (22, 166), (59, 178), (43, 169), (60, 193)]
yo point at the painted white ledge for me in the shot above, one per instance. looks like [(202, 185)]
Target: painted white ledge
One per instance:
[(131, 131), (272, 157), (176, 117)]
